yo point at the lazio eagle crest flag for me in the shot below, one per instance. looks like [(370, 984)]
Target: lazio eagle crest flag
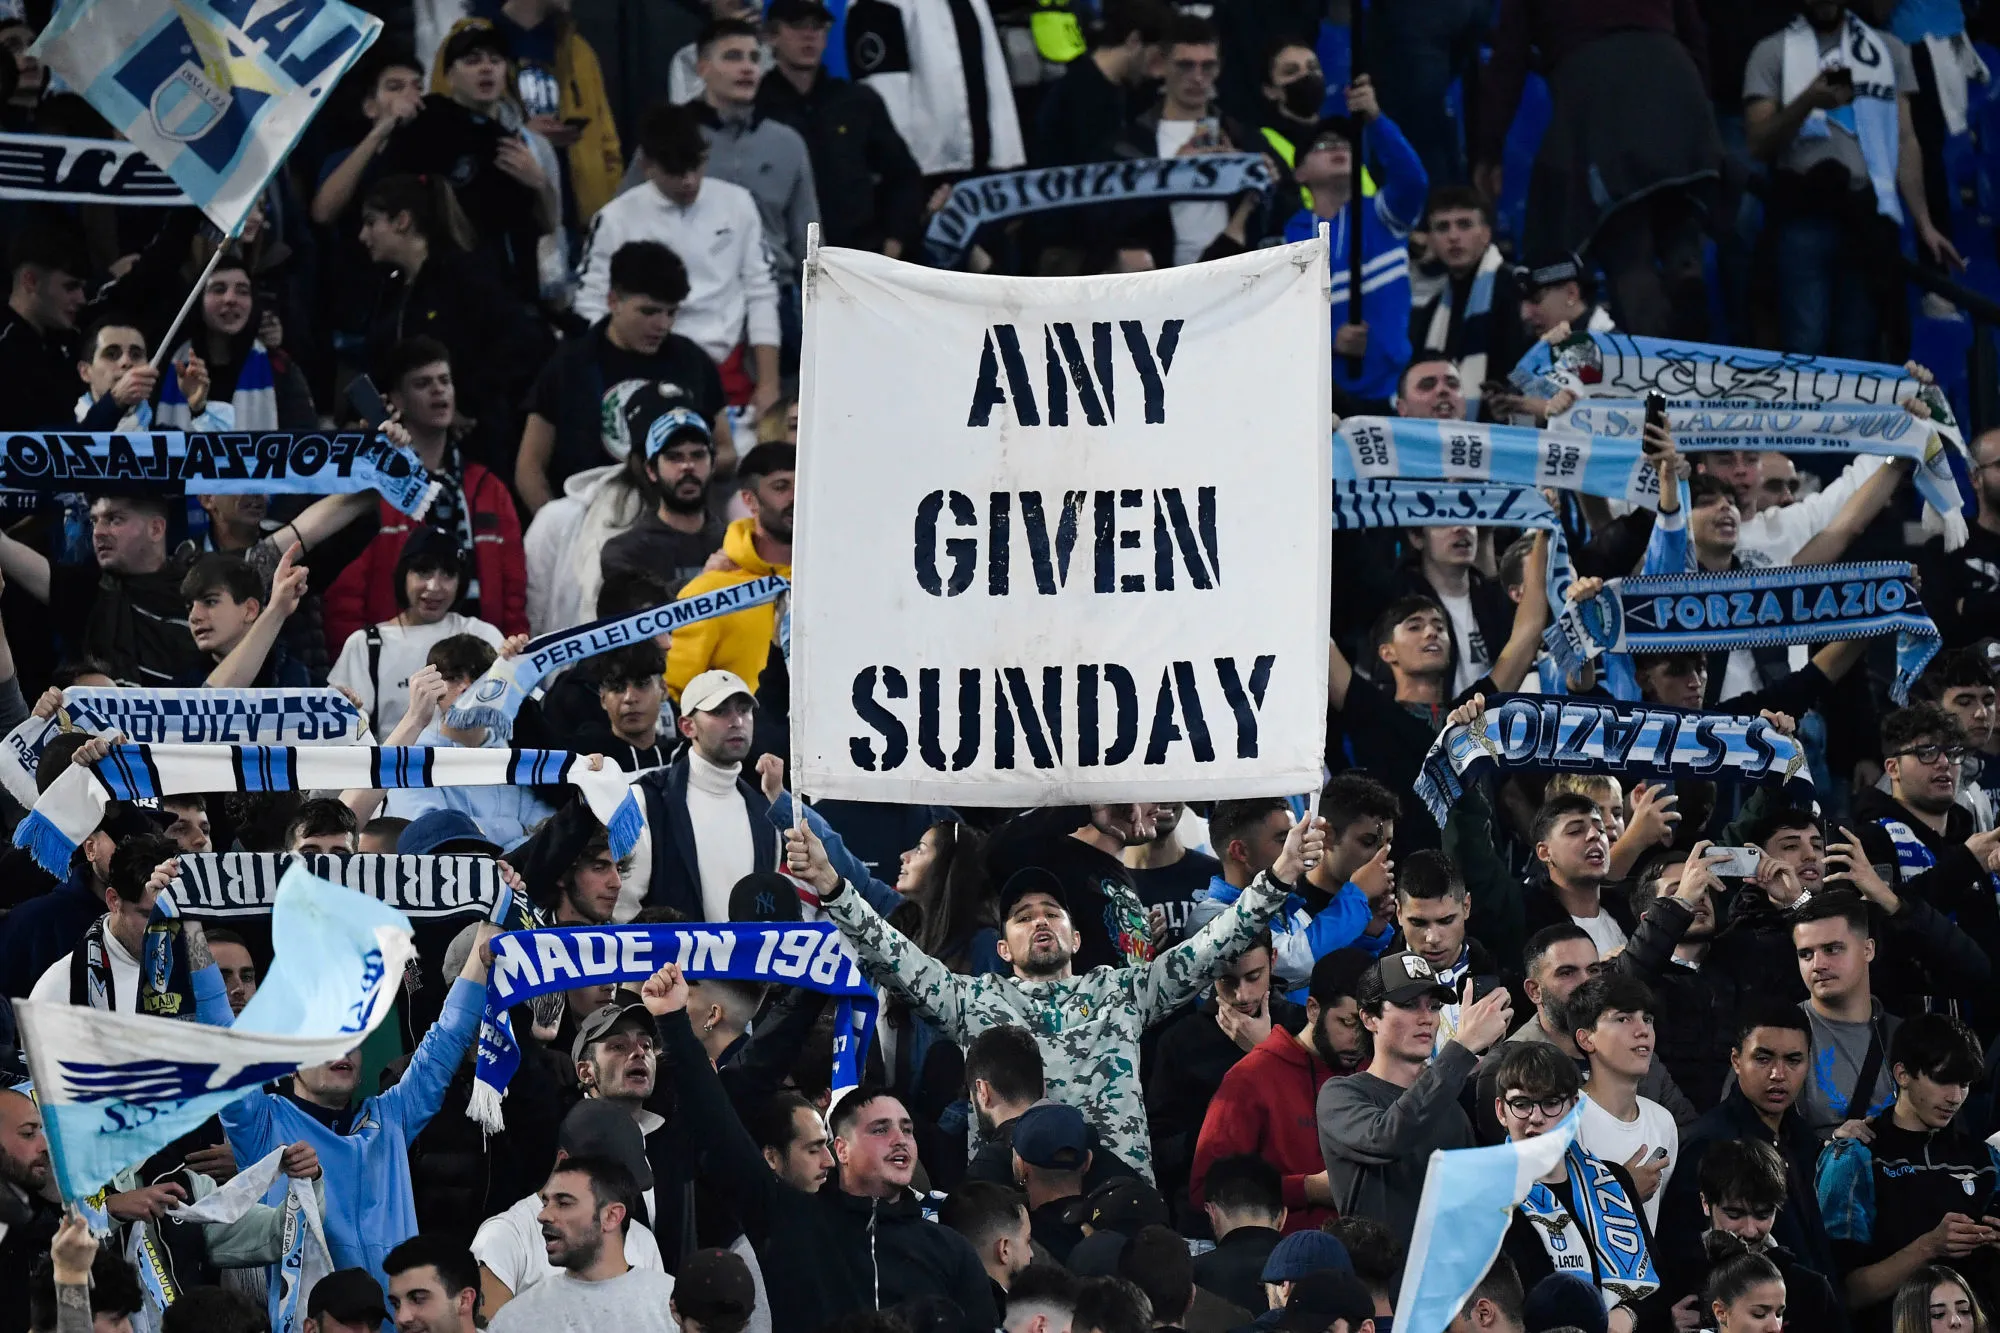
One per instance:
[(216, 92)]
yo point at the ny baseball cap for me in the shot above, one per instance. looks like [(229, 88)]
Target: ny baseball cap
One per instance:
[(1402, 978), (1125, 1204), (711, 689), (1320, 1298)]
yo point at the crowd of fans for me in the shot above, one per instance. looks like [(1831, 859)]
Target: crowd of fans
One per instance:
[(1140, 1066)]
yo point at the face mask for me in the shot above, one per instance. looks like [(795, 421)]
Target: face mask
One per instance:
[(1303, 95)]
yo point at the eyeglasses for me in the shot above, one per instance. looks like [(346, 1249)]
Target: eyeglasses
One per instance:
[(1523, 1107), (1930, 754)]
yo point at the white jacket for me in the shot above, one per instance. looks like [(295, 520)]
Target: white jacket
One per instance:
[(564, 546), (1776, 535), (908, 51), (732, 298)]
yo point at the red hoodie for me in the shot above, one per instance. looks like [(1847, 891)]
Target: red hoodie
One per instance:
[(1267, 1105)]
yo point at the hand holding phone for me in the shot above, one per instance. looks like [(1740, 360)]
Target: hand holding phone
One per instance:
[(366, 402)]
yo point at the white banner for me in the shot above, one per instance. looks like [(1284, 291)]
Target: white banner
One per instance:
[(1062, 539)]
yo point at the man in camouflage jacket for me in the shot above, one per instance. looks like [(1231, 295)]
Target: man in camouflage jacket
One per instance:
[(1088, 1026)]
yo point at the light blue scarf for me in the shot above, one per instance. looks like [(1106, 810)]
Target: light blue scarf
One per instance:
[(1388, 448), (254, 405), (1872, 117), (1623, 1273)]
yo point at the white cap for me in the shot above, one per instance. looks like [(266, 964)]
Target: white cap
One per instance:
[(710, 690)]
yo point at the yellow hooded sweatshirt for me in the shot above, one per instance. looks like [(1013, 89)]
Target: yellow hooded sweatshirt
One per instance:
[(740, 641)]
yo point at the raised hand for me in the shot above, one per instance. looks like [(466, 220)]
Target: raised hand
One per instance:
[(1483, 1023), (1304, 846), (806, 859), (665, 992), (288, 583)]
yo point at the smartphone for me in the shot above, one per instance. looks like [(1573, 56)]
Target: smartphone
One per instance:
[(1843, 77), (1734, 862), (1656, 408), (366, 401), (1484, 986)]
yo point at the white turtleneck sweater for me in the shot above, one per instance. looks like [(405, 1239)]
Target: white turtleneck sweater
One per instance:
[(723, 848)]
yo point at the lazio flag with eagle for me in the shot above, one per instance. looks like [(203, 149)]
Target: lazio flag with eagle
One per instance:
[(215, 92)]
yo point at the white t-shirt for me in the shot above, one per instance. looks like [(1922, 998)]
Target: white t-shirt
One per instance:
[(53, 986), (633, 1302), (1604, 932), (386, 694), (1605, 1136), (510, 1245), (1475, 656), (1197, 222)]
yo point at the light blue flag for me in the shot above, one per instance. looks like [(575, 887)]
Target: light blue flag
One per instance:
[(1469, 1199), (114, 1088), (215, 92)]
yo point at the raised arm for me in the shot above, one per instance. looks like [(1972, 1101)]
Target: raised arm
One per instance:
[(1179, 974), (1531, 617), (1831, 541), (246, 659), (24, 567), (887, 955)]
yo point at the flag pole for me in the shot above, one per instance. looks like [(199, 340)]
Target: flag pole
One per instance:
[(200, 284), (1356, 39)]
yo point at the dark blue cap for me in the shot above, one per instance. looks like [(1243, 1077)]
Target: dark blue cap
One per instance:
[(1052, 1136)]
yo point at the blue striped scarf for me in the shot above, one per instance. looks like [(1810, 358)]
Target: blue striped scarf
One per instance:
[(1752, 608), (254, 404), (1387, 448)]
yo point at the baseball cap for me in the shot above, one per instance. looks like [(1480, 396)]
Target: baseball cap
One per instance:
[(352, 1295), (1122, 1204), (798, 11), (598, 1128), (1564, 1300), (469, 35), (764, 895), (1053, 1137), (674, 425), (1027, 880), (1319, 1298), (1402, 978), (1305, 1252), (606, 1017), (1564, 268), (439, 831), (714, 1284), (710, 690)]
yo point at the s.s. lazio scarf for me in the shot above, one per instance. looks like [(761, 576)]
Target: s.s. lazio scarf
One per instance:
[(529, 963), (172, 463), (1890, 431), (1009, 194), (1752, 608), (44, 168), (1689, 374), (1366, 448), (303, 1257), (74, 804), (115, 1088), (497, 696), (1526, 733), (1423, 504), (197, 716), (1872, 118), (1601, 1222)]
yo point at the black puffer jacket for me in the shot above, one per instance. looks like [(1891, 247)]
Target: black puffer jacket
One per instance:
[(1694, 1007), (836, 1252), (459, 1176)]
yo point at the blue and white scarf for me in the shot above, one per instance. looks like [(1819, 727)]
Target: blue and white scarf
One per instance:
[(497, 696), (303, 1258), (1010, 194), (1889, 431), (173, 463), (74, 804), (528, 963), (197, 716), (1601, 1221), (44, 168), (254, 405), (1409, 447), (1426, 504), (1752, 608), (1872, 118), (1478, 308), (1522, 733)]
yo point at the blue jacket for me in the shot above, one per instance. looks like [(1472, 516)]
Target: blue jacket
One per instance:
[(1402, 186), (365, 1153), (1298, 937)]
